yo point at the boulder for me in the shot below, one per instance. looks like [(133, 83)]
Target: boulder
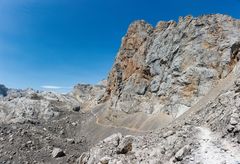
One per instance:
[(57, 153), (233, 121), (182, 153), (125, 146)]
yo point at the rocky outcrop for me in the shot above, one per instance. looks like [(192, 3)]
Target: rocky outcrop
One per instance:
[(88, 95), (184, 141), (34, 106), (170, 67), (192, 66), (3, 90)]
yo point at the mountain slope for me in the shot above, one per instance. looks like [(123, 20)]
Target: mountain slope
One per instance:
[(209, 132), (188, 70), (167, 69)]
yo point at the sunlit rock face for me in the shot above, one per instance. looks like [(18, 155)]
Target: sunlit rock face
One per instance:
[(19, 106), (170, 67)]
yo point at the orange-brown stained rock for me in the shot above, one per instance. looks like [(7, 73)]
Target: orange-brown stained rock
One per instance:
[(131, 57)]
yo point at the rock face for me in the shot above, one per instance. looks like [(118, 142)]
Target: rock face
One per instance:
[(185, 141), (88, 95), (170, 67), (3, 90), (192, 66)]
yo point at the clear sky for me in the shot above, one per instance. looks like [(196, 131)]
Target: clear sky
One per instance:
[(64, 42)]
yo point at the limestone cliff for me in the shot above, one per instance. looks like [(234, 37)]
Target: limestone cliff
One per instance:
[(170, 67)]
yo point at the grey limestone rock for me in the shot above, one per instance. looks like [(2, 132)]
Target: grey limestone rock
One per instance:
[(185, 58)]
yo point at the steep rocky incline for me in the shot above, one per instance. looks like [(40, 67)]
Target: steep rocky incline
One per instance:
[(209, 135), (188, 67), (170, 67)]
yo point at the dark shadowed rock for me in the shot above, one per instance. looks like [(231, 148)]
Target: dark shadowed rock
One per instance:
[(76, 108), (3, 90)]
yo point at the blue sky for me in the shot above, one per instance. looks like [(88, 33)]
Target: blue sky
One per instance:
[(64, 42)]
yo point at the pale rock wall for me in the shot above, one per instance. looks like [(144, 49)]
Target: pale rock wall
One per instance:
[(174, 64)]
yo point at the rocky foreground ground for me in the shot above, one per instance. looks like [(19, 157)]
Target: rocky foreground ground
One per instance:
[(172, 96)]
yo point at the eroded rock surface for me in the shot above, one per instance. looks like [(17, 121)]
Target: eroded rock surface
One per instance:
[(170, 67), (189, 70), (209, 134), (33, 106)]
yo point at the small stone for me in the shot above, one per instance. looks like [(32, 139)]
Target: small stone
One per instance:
[(29, 142), (224, 150), (74, 124), (125, 145), (237, 82), (105, 160), (182, 152), (76, 108), (70, 140), (230, 128), (61, 132), (233, 121), (238, 139), (48, 138), (57, 152), (223, 162), (169, 133)]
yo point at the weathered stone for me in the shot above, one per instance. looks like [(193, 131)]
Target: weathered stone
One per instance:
[(76, 108), (125, 146), (169, 133), (186, 60), (155, 84), (105, 160), (70, 140), (57, 153), (233, 121), (182, 153), (113, 139), (141, 88)]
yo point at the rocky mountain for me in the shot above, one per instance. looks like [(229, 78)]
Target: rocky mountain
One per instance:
[(165, 70), (175, 63), (3, 90), (210, 134), (172, 96), (177, 69)]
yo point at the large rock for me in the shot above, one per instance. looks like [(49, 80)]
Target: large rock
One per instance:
[(57, 152)]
